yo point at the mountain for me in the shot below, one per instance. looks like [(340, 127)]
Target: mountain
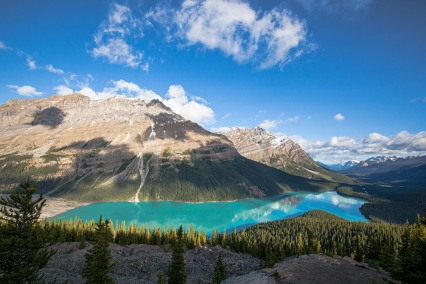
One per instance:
[(284, 154), (393, 169), (122, 149), (340, 166)]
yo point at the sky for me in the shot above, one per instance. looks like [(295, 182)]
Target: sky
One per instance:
[(346, 79)]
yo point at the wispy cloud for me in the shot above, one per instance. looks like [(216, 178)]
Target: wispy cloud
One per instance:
[(226, 115), (418, 99), (293, 119), (334, 6), (54, 70), (26, 91), (32, 65), (112, 40)]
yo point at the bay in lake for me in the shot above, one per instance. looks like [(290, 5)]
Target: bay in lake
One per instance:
[(222, 215)]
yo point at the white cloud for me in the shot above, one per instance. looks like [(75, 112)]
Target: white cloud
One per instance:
[(26, 91), (339, 149), (339, 117), (63, 90), (178, 101), (112, 39), (128, 89), (89, 92), (54, 70), (374, 138), (408, 142), (341, 142), (234, 27), (117, 51), (2, 45), (32, 65), (269, 124)]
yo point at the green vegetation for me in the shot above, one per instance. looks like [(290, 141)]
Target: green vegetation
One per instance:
[(98, 259), (389, 203), (410, 263), (317, 232), (22, 253), (219, 271), (177, 272), (225, 180)]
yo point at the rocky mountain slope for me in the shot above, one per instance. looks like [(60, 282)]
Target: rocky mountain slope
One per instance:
[(284, 154), (143, 263), (124, 149)]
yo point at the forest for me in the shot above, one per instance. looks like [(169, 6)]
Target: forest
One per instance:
[(400, 249)]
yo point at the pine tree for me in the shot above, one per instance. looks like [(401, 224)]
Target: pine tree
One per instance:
[(98, 259), (22, 252), (160, 278), (177, 272), (219, 271)]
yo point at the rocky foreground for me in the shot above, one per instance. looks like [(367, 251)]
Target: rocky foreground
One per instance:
[(142, 264)]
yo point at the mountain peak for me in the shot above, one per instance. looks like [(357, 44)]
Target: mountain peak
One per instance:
[(284, 154)]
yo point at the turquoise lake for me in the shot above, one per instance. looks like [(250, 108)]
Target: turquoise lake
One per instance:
[(222, 215)]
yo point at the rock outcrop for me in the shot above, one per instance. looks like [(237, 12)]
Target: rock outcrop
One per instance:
[(316, 268), (142, 264)]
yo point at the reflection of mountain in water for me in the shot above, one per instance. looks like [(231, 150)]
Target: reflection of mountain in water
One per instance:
[(264, 212)]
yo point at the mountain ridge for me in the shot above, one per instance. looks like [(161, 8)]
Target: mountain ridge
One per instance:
[(122, 149), (284, 154)]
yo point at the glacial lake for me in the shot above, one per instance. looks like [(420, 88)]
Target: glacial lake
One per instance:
[(222, 215)]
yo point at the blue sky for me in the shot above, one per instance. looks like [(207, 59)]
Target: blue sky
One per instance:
[(345, 79)]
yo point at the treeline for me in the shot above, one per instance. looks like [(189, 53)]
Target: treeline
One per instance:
[(313, 232), (317, 232), (393, 203), (78, 231)]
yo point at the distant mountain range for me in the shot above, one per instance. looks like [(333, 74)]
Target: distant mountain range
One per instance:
[(411, 169), (123, 149), (340, 166)]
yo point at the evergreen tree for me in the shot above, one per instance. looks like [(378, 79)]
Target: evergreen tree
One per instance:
[(98, 258), (160, 278), (22, 252), (177, 272), (219, 271)]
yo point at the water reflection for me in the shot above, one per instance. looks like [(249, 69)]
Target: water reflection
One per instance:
[(220, 215), (269, 211)]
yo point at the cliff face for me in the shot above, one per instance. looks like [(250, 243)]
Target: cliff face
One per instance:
[(284, 154), (126, 149)]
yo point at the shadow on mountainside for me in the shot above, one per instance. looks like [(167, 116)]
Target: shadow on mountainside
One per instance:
[(104, 172), (204, 175), (51, 117), (171, 126), (90, 178)]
